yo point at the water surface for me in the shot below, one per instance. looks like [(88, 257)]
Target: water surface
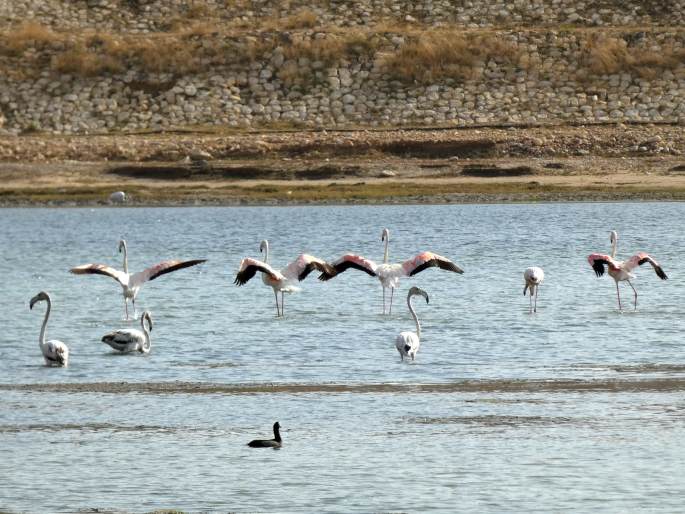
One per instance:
[(579, 407)]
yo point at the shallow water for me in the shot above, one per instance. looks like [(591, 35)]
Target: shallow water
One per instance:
[(579, 407)]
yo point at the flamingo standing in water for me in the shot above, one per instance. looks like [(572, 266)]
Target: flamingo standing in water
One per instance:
[(55, 352), (131, 283), (408, 343), (389, 274), (282, 281), (620, 271), (533, 277)]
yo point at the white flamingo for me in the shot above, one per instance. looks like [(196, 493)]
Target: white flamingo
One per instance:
[(131, 283), (55, 353), (620, 271), (389, 274), (282, 281), (131, 339), (533, 277), (408, 343)]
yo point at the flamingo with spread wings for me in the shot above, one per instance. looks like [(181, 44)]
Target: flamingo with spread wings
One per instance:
[(282, 281), (131, 283), (389, 274), (620, 271)]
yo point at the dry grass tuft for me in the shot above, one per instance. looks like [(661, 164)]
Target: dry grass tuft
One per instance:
[(80, 60), (435, 56), (28, 35), (604, 55), (305, 19), (335, 47)]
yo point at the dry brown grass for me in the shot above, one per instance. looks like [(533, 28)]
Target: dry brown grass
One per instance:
[(79, 60), (447, 54), (304, 19), (606, 55), (28, 35)]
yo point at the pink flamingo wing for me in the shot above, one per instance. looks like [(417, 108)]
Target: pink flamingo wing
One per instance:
[(101, 269), (426, 260)]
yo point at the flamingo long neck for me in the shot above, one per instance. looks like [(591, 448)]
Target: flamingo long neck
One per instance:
[(146, 331), (614, 244), (125, 257), (41, 341), (266, 252), (416, 318), (386, 253)]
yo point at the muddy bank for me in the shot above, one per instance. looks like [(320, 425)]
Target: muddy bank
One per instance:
[(566, 163)]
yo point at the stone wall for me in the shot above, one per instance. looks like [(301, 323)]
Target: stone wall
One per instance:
[(548, 83), (155, 15)]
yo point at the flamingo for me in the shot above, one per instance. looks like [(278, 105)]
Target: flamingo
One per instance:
[(620, 271), (55, 353), (389, 274), (131, 339), (408, 343), (276, 442), (533, 277), (280, 281), (131, 283)]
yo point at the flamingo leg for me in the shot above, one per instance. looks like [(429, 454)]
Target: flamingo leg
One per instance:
[(126, 308), (535, 307), (282, 304), (530, 302), (383, 299), (392, 292), (634, 291), (618, 295), (133, 302), (278, 312)]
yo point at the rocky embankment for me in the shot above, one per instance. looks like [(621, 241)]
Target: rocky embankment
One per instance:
[(106, 66), (614, 141)]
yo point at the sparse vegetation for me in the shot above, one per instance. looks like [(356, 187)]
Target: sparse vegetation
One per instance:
[(449, 54), (28, 35), (304, 19), (605, 55), (426, 56)]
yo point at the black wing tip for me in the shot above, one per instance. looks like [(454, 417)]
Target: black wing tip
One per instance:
[(325, 276), (304, 273), (598, 267), (660, 273), (240, 279), (455, 268), (326, 269)]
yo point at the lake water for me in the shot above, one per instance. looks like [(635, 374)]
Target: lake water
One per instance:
[(578, 407)]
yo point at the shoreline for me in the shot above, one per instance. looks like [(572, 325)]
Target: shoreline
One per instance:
[(360, 167)]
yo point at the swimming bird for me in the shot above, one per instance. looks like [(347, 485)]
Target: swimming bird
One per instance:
[(408, 343), (55, 353), (276, 442), (130, 339), (533, 277), (280, 281), (389, 274), (131, 283), (620, 271)]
